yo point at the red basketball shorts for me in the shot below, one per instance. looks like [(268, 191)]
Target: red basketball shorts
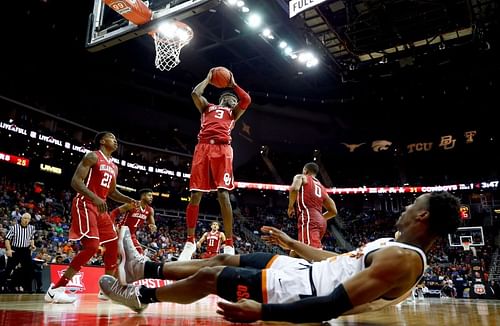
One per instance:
[(212, 168), (311, 231), (86, 221)]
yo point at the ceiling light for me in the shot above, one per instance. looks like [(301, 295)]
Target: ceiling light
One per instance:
[(254, 20), (305, 57)]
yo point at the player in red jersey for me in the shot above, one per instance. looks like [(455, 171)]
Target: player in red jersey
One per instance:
[(95, 181), (135, 216), (212, 166), (214, 239), (307, 199)]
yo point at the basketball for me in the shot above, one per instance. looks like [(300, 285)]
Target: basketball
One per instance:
[(220, 77)]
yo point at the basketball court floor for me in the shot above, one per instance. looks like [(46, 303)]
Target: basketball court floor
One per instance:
[(88, 310)]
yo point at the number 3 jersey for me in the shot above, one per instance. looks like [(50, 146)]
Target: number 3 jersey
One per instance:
[(100, 177), (216, 124)]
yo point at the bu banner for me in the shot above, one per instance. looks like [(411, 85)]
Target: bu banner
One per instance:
[(87, 279)]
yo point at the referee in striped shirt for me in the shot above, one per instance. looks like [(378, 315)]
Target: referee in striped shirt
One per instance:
[(19, 243)]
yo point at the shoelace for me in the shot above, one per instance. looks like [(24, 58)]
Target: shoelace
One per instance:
[(140, 258), (125, 291)]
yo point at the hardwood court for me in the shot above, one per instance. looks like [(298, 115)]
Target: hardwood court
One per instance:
[(88, 310)]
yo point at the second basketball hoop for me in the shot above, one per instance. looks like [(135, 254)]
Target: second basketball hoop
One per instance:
[(170, 38)]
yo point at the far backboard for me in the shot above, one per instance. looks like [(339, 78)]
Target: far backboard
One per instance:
[(473, 234)]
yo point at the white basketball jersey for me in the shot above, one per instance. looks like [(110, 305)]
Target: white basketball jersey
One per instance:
[(328, 274), (290, 279)]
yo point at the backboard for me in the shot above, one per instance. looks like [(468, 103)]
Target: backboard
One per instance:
[(473, 234), (106, 27)]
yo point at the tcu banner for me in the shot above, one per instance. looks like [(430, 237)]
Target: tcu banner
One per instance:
[(87, 279)]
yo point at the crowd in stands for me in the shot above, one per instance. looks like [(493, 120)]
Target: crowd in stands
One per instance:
[(449, 268)]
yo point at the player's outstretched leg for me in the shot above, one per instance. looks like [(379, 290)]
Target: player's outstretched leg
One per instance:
[(192, 212), (126, 295), (227, 217), (191, 289)]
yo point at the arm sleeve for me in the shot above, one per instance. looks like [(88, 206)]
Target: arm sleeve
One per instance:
[(244, 98), (314, 309)]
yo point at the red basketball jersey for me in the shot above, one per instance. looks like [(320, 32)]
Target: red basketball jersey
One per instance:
[(216, 123), (311, 197), (101, 175), (213, 241), (135, 217)]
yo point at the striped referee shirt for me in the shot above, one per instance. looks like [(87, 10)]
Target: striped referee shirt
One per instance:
[(19, 236)]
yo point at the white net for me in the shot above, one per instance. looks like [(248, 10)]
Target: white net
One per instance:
[(466, 245), (169, 40)]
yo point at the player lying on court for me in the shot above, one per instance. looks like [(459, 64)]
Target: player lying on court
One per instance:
[(320, 287)]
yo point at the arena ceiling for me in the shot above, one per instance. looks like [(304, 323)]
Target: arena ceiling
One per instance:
[(373, 56)]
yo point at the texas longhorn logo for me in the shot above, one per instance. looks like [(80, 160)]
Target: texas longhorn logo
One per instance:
[(352, 147), (381, 145)]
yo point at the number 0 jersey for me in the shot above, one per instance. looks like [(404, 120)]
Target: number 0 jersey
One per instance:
[(310, 199), (100, 177)]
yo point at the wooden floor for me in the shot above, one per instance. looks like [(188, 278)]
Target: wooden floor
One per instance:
[(88, 310)]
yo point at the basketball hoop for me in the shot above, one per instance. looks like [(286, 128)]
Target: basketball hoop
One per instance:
[(170, 38), (466, 245)]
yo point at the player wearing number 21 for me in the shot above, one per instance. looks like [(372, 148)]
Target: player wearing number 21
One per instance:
[(306, 201), (94, 181), (212, 165)]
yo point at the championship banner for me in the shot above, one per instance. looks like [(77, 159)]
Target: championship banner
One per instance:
[(298, 6), (87, 279)]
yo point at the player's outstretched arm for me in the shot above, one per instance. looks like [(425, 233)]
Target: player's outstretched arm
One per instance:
[(331, 208), (151, 221), (117, 196), (120, 210), (78, 181), (298, 180), (202, 239), (391, 272), (199, 100), (280, 238), (244, 99)]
